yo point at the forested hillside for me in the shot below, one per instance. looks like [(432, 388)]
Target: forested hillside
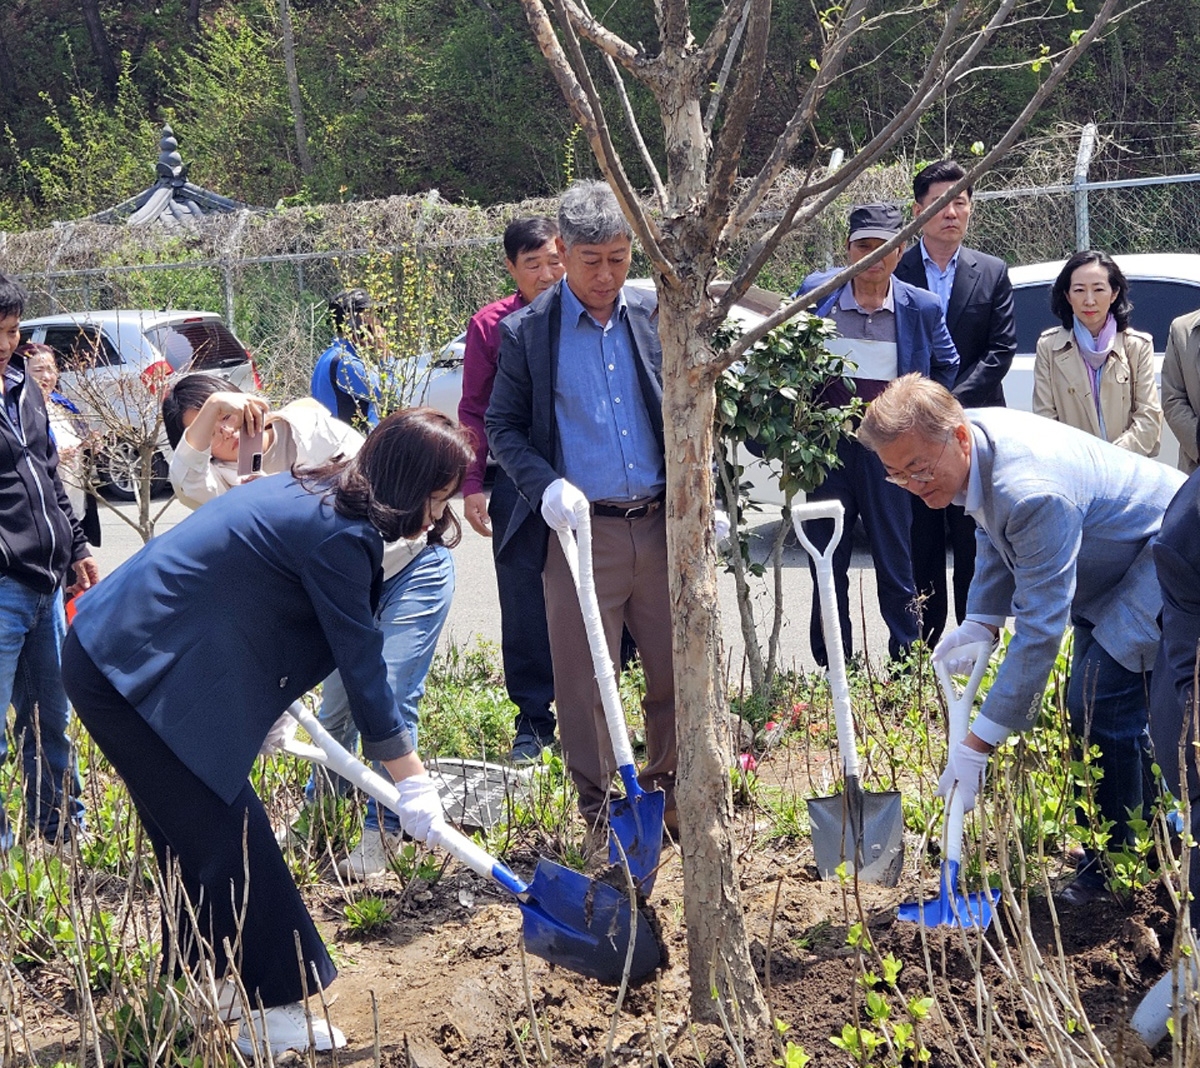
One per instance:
[(399, 96)]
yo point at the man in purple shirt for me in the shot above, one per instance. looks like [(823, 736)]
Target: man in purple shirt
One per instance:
[(532, 258)]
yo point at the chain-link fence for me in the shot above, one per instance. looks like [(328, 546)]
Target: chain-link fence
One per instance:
[(433, 264)]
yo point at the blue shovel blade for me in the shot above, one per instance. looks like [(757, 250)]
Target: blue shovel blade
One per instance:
[(584, 925), (950, 908), (636, 821)]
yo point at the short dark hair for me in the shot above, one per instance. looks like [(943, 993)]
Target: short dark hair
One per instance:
[(13, 297), (1122, 306), (945, 170), (347, 307), (407, 458), (188, 394), (527, 235)]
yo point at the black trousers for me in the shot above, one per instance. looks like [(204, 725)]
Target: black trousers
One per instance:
[(932, 529), (524, 639), (243, 896)]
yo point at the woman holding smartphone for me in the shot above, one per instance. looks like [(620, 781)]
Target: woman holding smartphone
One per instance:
[(180, 662)]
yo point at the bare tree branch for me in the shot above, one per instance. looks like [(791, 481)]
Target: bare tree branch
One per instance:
[(714, 101), (727, 28), (632, 59), (728, 154), (786, 143), (985, 164), (585, 106), (635, 130)]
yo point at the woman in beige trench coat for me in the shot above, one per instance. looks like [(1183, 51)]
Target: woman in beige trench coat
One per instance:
[(1094, 372)]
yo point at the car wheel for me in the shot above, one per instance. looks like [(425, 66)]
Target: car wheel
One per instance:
[(121, 470)]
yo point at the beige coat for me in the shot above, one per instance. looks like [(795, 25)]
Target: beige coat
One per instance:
[(1128, 395), (1181, 386)]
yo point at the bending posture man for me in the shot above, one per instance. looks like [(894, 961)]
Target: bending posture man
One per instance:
[(42, 541), (887, 328), (532, 258), (576, 416), (977, 298), (1066, 528)]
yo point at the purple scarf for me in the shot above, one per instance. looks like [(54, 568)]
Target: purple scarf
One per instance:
[(1094, 351)]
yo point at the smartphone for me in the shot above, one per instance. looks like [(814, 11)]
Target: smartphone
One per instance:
[(250, 453)]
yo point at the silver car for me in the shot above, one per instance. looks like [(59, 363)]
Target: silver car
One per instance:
[(112, 363)]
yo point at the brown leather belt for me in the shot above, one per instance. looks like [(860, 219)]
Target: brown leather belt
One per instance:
[(627, 511)]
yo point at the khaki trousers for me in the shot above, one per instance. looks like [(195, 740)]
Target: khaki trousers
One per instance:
[(629, 557)]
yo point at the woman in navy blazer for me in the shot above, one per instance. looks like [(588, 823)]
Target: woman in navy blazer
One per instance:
[(179, 663)]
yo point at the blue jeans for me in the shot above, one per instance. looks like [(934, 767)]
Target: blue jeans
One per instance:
[(32, 629), (1109, 707), (412, 611)]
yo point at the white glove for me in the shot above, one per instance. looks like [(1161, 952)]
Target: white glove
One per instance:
[(559, 504), (420, 807), (952, 651), (720, 524), (965, 770), (282, 731)]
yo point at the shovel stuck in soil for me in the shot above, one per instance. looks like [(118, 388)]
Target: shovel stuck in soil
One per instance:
[(951, 908), (864, 831), (567, 918), (635, 820)]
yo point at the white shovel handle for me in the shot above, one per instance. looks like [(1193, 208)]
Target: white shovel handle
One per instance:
[(577, 548), (839, 685), (959, 705), (335, 757)]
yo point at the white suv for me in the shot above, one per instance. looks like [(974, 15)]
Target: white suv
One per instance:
[(118, 359)]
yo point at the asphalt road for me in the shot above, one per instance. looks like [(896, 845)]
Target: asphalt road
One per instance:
[(475, 612)]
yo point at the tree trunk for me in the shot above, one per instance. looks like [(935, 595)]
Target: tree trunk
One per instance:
[(712, 900), (293, 81), (193, 17), (100, 47)]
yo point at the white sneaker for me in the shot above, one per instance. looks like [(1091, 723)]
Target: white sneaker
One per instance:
[(371, 856), (286, 1027)]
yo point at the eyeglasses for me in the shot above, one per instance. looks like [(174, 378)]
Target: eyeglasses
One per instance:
[(927, 475)]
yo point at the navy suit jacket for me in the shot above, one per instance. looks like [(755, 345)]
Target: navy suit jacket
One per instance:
[(521, 424), (219, 624), (922, 342), (980, 320)]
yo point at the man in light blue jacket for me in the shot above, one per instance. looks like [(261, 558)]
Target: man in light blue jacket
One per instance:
[(1066, 529)]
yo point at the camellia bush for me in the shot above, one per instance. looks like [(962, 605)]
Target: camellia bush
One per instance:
[(771, 405)]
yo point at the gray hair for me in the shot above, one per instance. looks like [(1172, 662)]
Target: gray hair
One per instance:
[(911, 402), (588, 214)]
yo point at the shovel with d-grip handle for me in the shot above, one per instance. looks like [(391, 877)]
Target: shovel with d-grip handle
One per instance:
[(635, 820), (951, 908), (567, 918), (864, 831)]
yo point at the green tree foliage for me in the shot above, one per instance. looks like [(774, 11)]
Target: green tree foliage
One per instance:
[(405, 95)]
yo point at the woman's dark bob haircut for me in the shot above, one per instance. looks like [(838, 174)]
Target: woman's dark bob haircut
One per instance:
[(406, 459), (1122, 306)]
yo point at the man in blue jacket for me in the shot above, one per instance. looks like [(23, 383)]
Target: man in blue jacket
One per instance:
[(886, 328), (341, 380), (40, 542)]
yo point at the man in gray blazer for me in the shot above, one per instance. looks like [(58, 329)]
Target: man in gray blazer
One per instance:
[(1066, 528)]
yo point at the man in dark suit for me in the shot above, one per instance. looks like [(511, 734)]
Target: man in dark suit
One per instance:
[(886, 329), (977, 299), (576, 417)]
